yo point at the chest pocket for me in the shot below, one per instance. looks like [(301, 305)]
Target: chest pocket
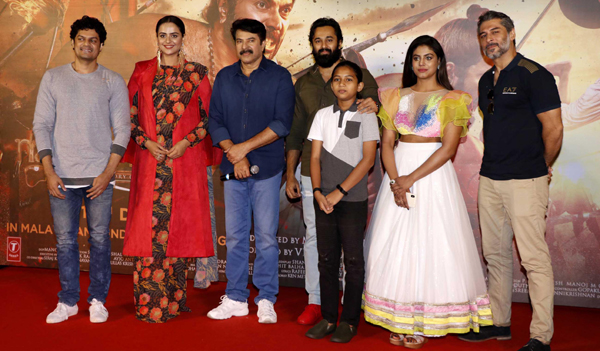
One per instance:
[(352, 129)]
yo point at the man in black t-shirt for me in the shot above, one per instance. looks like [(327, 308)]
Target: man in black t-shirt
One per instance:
[(522, 132)]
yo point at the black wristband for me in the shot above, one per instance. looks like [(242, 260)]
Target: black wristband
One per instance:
[(339, 187), (317, 189)]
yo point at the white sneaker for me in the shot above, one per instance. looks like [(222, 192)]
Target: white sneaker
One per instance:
[(98, 313), (266, 312), (61, 313), (228, 308)]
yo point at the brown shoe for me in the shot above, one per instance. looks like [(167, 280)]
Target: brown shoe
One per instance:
[(414, 341)]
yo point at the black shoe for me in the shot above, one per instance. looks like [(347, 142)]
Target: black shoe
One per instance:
[(535, 345), (344, 333), (320, 330), (487, 333)]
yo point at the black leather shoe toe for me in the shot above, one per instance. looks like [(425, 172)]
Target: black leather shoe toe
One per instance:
[(320, 330), (344, 333)]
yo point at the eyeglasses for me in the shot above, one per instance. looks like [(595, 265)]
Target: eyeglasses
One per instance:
[(490, 97)]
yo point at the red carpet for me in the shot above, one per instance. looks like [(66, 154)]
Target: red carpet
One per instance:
[(29, 294)]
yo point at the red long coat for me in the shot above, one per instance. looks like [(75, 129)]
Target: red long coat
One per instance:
[(190, 233)]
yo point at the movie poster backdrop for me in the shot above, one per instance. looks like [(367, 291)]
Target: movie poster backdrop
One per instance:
[(557, 34)]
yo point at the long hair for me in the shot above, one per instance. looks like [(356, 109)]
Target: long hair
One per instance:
[(409, 78), (179, 23)]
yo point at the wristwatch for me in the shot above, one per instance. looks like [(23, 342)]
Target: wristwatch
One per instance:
[(393, 181)]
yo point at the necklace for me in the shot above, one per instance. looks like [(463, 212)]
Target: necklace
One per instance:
[(212, 73)]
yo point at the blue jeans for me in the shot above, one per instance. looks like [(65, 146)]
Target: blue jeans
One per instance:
[(311, 255), (66, 227), (242, 200)]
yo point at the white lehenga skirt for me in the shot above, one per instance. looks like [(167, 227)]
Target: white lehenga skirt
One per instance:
[(423, 272)]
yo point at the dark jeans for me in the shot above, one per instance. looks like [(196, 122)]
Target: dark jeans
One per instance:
[(342, 228), (66, 226)]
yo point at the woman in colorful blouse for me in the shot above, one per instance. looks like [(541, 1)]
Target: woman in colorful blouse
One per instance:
[(423, 273), (168, 219)]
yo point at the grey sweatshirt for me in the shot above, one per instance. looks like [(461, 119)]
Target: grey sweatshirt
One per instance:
[(73, 118)]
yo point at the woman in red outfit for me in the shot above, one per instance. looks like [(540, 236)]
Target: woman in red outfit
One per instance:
[(168, 218)]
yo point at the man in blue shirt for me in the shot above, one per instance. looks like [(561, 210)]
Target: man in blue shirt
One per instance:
[(251, 111)]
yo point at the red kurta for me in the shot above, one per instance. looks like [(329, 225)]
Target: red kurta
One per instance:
[(190, 228)]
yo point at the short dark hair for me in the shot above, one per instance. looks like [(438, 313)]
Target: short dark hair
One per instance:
[(409, 78), (357, 71), (251, 26), (505, 21), (325, 22), (87, 22), (171, 19)]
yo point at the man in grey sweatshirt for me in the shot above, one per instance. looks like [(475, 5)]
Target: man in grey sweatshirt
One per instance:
[(77, 106)]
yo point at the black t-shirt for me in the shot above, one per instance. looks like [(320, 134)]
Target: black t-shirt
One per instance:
[(512, 135)]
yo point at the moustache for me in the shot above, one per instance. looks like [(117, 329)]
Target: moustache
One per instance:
[(249, 51), (325, 50), (491, 45)]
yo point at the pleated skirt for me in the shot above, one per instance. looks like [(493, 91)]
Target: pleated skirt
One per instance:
[(423, 271)]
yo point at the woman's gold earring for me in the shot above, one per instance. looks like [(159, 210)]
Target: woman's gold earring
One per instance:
[(158, 56)]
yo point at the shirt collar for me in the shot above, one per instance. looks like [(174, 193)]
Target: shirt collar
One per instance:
[(353, 107), (515, 61), (262, 66)]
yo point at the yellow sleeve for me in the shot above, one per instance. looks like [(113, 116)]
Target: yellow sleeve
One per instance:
[(389, 97), (454, 108)]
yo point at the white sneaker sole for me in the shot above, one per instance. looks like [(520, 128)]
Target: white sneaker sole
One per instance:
[(234, 314), (267, 320), (48, 321), (98, 320)]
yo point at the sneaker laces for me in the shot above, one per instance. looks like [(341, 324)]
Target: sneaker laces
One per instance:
[(266, 308), (60, 307), (224, 298), (97, 304)]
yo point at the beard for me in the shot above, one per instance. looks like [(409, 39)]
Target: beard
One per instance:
[(327, 60), (503, 48)]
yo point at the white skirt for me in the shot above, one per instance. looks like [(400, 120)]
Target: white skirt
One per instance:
[(423, 272)]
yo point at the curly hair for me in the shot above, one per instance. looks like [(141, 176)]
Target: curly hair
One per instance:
[(87, 22)]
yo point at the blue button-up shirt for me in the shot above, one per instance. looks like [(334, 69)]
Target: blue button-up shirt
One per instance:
[(241, 107)]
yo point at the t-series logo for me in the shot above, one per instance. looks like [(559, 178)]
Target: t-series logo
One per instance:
[(13, 249)]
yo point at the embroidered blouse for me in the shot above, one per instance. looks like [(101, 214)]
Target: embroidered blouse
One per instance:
[(424, 114)]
